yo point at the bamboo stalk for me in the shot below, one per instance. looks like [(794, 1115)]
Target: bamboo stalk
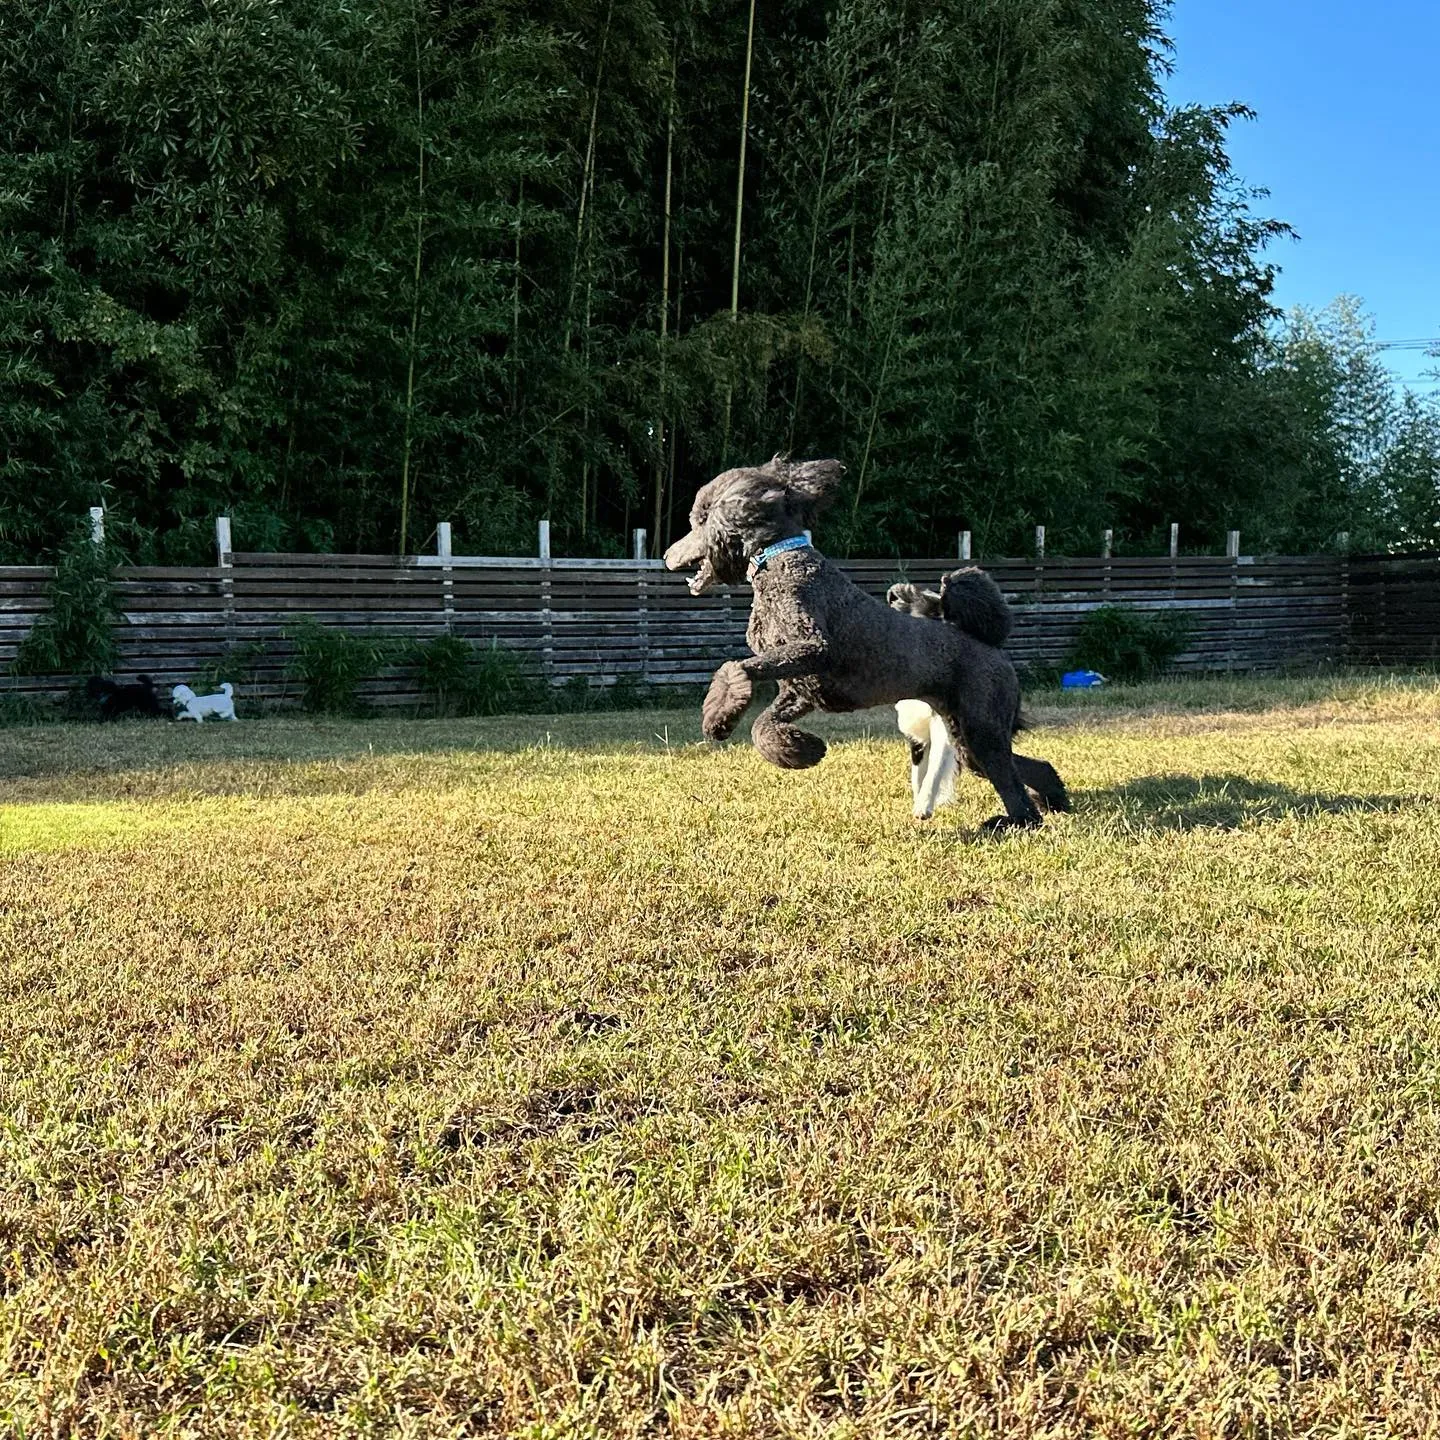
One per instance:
[(810, 265), (587, 188), (875, 411), (850, 261), (587, 175), (889, 143), (878, 397), (515, 305), (415, 293), (740, 179), (659, 495), (674, 434), (739, 211), (585, 489)]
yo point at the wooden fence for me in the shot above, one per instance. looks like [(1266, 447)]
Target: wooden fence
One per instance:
[(1394, 611), (602, 619)]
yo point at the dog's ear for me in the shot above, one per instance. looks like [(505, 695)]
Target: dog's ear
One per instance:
[(813, 481)]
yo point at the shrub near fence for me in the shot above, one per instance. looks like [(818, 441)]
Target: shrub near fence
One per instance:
[(607, 619)]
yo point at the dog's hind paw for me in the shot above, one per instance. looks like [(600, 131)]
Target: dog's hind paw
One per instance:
[(1052, 801), (1002, 824), (785, 745), (725, 701)]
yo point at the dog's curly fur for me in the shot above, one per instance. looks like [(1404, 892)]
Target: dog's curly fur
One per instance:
[(830, 645), (972, 600)]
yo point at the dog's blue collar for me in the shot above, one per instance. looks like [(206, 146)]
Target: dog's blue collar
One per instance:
[(760, 561)]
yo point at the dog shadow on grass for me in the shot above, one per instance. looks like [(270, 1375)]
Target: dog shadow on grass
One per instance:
[(1224, 802)]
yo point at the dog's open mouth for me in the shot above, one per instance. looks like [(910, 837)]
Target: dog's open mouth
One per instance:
[(702, 578), (688, 553)]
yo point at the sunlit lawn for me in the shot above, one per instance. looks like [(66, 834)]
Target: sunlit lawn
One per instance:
[(565, 1077)]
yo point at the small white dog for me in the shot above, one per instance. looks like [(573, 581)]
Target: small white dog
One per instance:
[(933, 761), (196, 707)]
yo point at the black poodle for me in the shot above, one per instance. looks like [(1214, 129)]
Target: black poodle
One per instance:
[(832, 646)]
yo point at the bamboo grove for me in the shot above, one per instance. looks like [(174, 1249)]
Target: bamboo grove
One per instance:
[(343, 268)]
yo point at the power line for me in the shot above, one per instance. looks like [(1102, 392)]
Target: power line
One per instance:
[(1432, 343)]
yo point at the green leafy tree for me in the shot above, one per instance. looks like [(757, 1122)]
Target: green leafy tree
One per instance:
[(1410, 475), (343, 270)]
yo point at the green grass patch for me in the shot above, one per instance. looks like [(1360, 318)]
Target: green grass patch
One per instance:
[(561, 1076)]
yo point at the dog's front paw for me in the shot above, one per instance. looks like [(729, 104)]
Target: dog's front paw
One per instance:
[(725, 701)]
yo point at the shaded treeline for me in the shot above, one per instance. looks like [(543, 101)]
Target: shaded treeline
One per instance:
[(341, 268)]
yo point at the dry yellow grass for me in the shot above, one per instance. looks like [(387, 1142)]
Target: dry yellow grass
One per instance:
[(421, 1079)]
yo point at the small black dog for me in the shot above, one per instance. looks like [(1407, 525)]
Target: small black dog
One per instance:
[(117, 699)]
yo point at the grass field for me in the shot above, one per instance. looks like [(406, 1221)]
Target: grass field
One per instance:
[(568, 1078)]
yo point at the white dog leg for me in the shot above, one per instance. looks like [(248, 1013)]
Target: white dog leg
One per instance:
[(933, 762), (937, 785)]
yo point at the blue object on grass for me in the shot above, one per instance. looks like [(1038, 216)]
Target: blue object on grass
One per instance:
[(1081, 679)]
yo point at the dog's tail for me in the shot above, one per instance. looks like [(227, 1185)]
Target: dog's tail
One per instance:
[(228, 690), (971, 600)]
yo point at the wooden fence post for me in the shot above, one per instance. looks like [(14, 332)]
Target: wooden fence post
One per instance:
[(1174, 541), (1343, 541), (547, 617), (1232, 549), (225, 560), (1107, 546), (97, 524), (964, 544), (642, 598), (1039, 564), (443, 548)]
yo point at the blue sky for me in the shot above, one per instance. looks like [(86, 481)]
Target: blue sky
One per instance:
[(1347, 141)]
